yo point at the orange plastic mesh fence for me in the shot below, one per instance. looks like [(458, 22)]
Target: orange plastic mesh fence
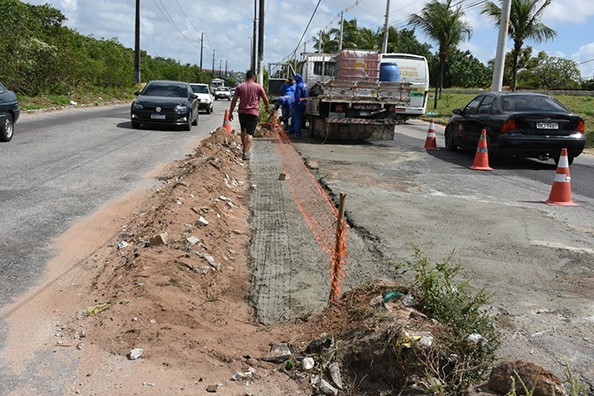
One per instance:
[(316, 207)]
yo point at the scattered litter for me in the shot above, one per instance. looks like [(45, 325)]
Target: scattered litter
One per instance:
[(240, 376), (135, 353), (317, 346), (377, 300), (409, 301), (475, 338), (307, 363), (122, 245), (202, 221), (283, 176), (392, 295), (95, 310)]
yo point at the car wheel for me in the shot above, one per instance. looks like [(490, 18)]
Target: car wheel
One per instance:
[(229, 98), (450, 140), (188, 125), (208, 110), (7, 129), (135, 124)]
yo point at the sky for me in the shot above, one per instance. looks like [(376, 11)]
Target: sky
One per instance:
[(173, 28)]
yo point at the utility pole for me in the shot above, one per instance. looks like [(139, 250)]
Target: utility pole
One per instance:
[(320, 42), (137, 44), (386, 28), (201, 49), (213, 60), (501, 44), (220, 67), (225, 69), (261, 44), (254, 40), (341, 31)]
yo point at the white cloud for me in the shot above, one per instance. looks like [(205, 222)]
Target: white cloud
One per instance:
[(573, 11), (585, 59)]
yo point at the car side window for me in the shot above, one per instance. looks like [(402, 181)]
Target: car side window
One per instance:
[(485, 107), (472, 107)]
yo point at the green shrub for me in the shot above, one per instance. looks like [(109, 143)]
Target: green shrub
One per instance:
[(447, 296)]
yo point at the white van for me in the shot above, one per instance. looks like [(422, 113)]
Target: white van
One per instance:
[(413, 69)]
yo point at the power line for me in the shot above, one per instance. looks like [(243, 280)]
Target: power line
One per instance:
[(170, 20), (307, 27)]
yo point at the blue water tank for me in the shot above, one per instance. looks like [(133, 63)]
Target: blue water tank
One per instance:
[(389, 71)]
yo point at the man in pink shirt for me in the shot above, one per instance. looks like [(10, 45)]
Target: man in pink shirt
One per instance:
[(249, 94)]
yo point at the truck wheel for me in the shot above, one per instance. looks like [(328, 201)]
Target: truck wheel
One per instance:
[(7, 129)]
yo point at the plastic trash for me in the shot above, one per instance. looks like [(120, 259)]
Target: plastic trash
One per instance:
[(392, 295)]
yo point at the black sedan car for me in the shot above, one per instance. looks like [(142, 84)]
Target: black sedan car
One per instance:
[(527, 125), (165, 103), (9, 113)]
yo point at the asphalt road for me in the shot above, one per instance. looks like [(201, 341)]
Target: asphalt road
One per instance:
[(536, 260), (62, 166)]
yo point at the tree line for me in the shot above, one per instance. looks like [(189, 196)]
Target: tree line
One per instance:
[(443, 22), (41, 56)]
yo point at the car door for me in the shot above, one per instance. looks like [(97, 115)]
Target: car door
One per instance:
[(193, 100), (481, 120), (467, 124)]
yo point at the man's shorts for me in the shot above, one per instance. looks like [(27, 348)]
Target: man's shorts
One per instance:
[(248, 123)]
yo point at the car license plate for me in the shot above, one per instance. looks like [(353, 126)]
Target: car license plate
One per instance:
[(158, 116), (336, 115), (547, 125)]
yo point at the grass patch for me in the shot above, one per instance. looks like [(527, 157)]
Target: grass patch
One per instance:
[(83, 96)]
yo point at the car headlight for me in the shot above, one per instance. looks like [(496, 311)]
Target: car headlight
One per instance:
[(137, 106), (203, 100), (181, 108)]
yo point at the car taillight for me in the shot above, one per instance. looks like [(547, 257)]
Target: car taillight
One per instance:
[(509, 125), (581, 126)]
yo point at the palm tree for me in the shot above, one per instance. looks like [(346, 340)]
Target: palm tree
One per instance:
[(327, 41), (524, 24), (443, 24), (368, 39), (350, 33)]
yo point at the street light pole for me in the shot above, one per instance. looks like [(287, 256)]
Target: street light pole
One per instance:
[(254, 40), (201, 49), (137, 44), (499, 63), (261, 44), (386, 27)]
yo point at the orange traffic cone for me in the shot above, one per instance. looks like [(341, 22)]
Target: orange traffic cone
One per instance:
[(431, 142), (481, 158), (561, 190), (226, 122)]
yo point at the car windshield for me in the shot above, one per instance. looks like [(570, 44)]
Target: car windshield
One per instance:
[(515, 103), (200, 89), (173, 91)]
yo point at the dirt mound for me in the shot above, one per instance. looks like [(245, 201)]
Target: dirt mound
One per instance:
[(175, 282)]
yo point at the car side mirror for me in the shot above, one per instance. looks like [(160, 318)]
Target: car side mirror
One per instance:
[(457, 111), (195, 95)]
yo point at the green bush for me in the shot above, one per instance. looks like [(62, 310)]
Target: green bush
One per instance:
[(448, 297)]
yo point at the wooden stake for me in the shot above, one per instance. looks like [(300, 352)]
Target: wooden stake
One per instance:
[(337, 257)]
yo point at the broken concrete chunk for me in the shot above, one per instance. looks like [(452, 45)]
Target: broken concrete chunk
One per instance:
[(209, 259), (159, 239), (283, 176), (202, 222), (327, 389), (135, 353), (334, 370), (193, 240), (212, 388), (308, 363)]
